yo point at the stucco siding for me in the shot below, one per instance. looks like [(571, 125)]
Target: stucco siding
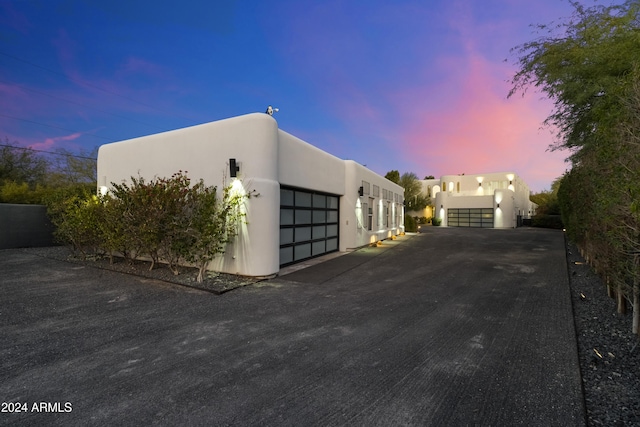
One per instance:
[(304, 166), (269, 158), (204, 152)]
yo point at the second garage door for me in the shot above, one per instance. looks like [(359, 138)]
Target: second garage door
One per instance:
[(470, 217)]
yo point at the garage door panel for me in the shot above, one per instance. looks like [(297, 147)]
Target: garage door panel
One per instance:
[(308, 224), (302, 251), (286, 236)]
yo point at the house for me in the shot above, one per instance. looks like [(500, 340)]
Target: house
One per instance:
[(310, 202), (492, 200)]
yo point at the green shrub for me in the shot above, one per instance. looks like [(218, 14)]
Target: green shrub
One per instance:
[(547, 221), (75, 215), (166, 219), (436, 221), (410, 224)]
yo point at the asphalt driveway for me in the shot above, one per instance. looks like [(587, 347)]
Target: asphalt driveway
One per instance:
[(449, 327)]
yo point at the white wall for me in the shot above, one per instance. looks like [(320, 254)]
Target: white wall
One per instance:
[(302, 165), (204, 152), (483, 191), (353, 230), (268, 157)]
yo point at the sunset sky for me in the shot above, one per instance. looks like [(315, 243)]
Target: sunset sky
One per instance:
[(416, 86)]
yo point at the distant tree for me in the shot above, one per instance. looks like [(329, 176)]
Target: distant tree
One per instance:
[(429, 177), (415, 200), (21, 165), (547, 200), (27, 176), (69, 168), (393, 176)]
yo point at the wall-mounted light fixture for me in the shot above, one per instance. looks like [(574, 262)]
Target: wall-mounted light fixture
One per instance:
[(234, 168), (510, 177), (498, 205), (361, 191), (441, 206)]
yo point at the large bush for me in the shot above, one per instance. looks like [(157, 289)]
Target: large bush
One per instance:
[(590, 68), (547, 221), (165, 219)]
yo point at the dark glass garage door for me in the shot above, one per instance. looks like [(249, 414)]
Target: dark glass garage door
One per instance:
[(470, 217), (308, 224)]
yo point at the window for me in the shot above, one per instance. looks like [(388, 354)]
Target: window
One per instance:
[(370, 223), (365, 215), (366, 187)]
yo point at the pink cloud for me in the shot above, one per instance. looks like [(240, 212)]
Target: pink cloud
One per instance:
[(52, 143), (477, 130)]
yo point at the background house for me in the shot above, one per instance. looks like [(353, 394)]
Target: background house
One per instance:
[(310, 202), (492, 200)]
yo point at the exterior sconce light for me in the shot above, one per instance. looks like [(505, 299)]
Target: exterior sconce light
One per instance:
[(480, 184), (361, 191), (234, 168), (441, 206), (498, 205)]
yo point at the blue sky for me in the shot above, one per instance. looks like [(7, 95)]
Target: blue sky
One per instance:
[(416, 86)]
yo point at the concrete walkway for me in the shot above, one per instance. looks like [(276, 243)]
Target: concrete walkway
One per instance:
[(449, 327)]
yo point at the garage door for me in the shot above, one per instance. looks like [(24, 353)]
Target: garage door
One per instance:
[(470, 217), (308, 224)]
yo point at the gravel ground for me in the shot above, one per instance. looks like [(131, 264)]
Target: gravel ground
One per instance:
[(609, 352), (217, 283)]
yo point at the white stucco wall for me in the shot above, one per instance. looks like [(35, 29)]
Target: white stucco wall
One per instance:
[(204, 152), (353, 225), (268, 157), (484, 191), (302, 165)]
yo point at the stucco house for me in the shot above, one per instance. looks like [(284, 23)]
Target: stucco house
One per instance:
[(310, 202), (491, 200)]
